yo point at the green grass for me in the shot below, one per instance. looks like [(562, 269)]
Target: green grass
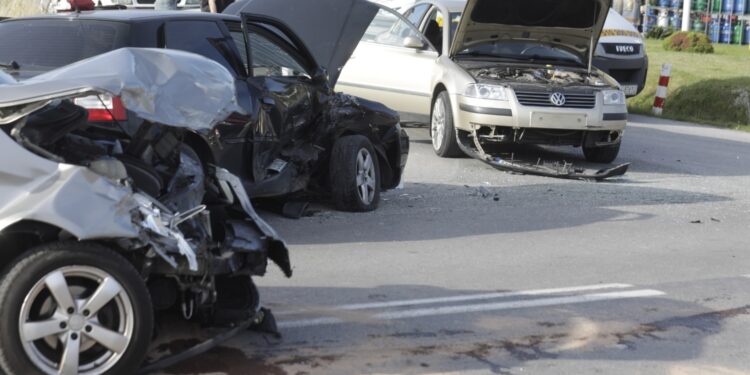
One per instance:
[(705, 88)]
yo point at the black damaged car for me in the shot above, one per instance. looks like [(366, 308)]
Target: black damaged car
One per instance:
[(297, 137)]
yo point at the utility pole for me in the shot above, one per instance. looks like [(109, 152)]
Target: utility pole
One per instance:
[(686, 6)]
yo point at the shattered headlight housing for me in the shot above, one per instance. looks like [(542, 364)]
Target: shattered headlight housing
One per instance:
[(613, 97), (482, 91)]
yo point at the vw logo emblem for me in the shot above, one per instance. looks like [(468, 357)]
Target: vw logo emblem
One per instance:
[(557, 99)]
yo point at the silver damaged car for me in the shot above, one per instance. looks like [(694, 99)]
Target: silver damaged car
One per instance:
[(486, 72)]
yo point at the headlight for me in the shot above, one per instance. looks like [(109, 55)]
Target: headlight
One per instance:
[(613, 97), (481, 91)]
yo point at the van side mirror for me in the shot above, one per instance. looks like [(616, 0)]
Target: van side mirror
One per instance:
[(412, 42)]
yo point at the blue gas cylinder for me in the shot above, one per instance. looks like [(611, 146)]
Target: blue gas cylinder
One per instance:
[(726, 32), (714, 30), (675, 21), (728, 6), (677, 4), (664, 3), (740, 6)]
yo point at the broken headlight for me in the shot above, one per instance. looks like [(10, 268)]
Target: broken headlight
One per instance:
[(482, 91), (613, 97)]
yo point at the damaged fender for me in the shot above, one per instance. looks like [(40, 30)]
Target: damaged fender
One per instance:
[(163, 86)]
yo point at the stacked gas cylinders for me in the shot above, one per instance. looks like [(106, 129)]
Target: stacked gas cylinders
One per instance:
[(726, 21), (664, 13)]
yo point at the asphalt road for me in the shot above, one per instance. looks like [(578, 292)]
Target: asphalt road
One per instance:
[(471, 270)]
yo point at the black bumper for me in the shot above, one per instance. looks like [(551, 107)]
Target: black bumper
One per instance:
[(625, 71)]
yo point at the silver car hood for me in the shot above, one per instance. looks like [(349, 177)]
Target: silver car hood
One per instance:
[(168, 87), (573, 24), (330, 29)]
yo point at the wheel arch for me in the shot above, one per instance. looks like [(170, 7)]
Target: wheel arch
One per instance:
[(20, 236)]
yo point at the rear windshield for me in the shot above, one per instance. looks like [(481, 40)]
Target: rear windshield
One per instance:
[(52, 43)]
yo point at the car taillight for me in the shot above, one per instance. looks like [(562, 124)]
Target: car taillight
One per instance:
[(103, 108)]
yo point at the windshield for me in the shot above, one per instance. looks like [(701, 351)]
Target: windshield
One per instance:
[(44, 44), (527, 51)]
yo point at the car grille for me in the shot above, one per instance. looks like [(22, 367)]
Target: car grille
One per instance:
[(541, 99)]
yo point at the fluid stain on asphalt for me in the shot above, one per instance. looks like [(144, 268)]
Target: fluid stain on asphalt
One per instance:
[(230, 361)]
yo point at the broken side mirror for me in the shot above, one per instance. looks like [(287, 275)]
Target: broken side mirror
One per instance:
[(413, 42), (320, 77)]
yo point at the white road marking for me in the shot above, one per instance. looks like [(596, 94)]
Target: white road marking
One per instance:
[(462, 309), (464, 298)]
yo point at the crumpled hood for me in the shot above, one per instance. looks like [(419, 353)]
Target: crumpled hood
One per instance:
[(574, 24), (330, 29), (168, 87)]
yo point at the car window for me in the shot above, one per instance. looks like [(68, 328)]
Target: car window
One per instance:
[(521, 50), (415, 14), (204, 38), (270, 59), (239, 41), (52, 43), (389, 29)]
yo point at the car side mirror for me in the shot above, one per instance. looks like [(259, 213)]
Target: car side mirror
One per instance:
[(412, 42), (320, 77)]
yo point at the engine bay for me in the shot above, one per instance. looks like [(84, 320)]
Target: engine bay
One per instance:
[(547, 75)]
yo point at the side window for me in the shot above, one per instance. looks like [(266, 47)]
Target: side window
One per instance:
[(239, 41), (203, 38), (389, 29), (416, 14), (270, 59), (433, 28)]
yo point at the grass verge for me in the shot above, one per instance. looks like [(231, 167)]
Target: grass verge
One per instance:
[(709, 89)]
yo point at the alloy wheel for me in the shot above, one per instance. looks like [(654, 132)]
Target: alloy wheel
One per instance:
[(76, 320), (365, 176), (438, 123)]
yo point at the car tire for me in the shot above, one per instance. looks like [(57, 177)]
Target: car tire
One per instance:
[(602, 154), (122, 316), (354, 174), (442, 131)]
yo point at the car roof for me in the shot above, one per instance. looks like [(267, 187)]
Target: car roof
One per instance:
[(454, 6), (134, 15)]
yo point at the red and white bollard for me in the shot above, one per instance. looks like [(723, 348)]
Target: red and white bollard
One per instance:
[(661, 90)]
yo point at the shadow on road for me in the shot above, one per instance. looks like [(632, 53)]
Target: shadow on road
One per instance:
[(424, 211)]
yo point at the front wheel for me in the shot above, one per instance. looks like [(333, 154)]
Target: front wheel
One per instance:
[(355, 174), (603, 154), (442, 130), (73, 308)]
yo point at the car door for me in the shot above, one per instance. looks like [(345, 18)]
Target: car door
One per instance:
[(392, 64), (288, 97)]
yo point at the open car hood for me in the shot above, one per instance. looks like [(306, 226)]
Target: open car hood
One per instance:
[(573, 24), (330, 29), (168, 87)]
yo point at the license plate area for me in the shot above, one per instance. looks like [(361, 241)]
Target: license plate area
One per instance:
[(630, 90), (558, 120)]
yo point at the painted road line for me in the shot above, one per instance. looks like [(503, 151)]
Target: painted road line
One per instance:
[(473, 308), (464, 298)]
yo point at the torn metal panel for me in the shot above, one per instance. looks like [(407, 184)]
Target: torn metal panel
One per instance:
[(85, 204), (168, 87), (557, 169)]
